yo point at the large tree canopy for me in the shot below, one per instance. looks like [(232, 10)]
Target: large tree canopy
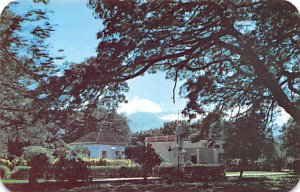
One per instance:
[(230, 54), (25, 65)]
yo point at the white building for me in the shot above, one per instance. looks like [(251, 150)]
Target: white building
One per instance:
[(103, 144), (197, 153)]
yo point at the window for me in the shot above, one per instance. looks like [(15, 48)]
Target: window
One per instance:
[(104, 155)]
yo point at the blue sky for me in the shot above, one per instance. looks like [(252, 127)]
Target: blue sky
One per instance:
[(75, 33)]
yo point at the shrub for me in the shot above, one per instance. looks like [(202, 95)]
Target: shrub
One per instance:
[(135, 171), (116, 171), (205, 172), (278, 163), (96, 162), (40, 167), (4, 172), (120, 162), (19, 162), (106, 162), (31, 151), (20, 172), (188, 163), (166, 171), (104, 171), (5, 162), (71, 170), (148, 159), (296, 166)]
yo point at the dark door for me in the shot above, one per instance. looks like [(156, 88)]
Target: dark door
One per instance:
[(194, 159)]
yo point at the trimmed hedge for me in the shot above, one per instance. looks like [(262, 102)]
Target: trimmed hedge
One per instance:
[(116, 171), (4, 172), (107, 162), (194, 172), (205, 172)]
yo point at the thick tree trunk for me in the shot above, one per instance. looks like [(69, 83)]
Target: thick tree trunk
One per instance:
[(241, 174), (269, 82)]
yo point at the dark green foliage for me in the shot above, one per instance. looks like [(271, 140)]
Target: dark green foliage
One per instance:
[(247, 140), (97, 162), (290, 137), (19, 162), (4, 172), (296, 166), (115, 172), (5, 162), (133, 152), (71, 170), (193, 173), (40, 168), (205, 173), (135, 171), (78, 123), (104, 171), (21, 172), (148, 159), (278, 163), (32, 151), (167, 171), (230, 55)]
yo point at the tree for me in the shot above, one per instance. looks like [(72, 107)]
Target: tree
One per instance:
[(148, 159), (25, 65), (170, 127), (210, 128), (26, 116), (231, 55), (82, 122), (290, 138), (247, 139)]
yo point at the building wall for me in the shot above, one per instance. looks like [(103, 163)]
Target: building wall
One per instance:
[(196, 152), (96, 150)]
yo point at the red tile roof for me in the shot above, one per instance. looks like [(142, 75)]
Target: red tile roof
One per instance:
[(160, 138)]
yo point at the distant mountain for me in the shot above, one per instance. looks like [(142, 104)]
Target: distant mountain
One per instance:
[(142, 121)]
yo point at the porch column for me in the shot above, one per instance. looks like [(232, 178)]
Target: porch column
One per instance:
[(198, 155)]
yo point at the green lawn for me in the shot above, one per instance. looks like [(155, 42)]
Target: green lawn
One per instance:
[(276, 183), (14, 181), (258, 173)]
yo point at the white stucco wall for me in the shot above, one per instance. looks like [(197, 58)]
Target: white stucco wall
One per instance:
[(96, 150)]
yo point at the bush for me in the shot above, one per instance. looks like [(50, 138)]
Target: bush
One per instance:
[(5, 162), (20, 172), (40, 168), (96, 162), (104, 171), (296, 166), (71, 170), (4, 172), (205, 172), (116, 171), (166, 171), (188, 163), (120, 162), (31, 151), (106, 162), (19, 162)]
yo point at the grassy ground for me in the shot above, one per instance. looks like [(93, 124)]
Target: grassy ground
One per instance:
[(277, 183), (254, 173)]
